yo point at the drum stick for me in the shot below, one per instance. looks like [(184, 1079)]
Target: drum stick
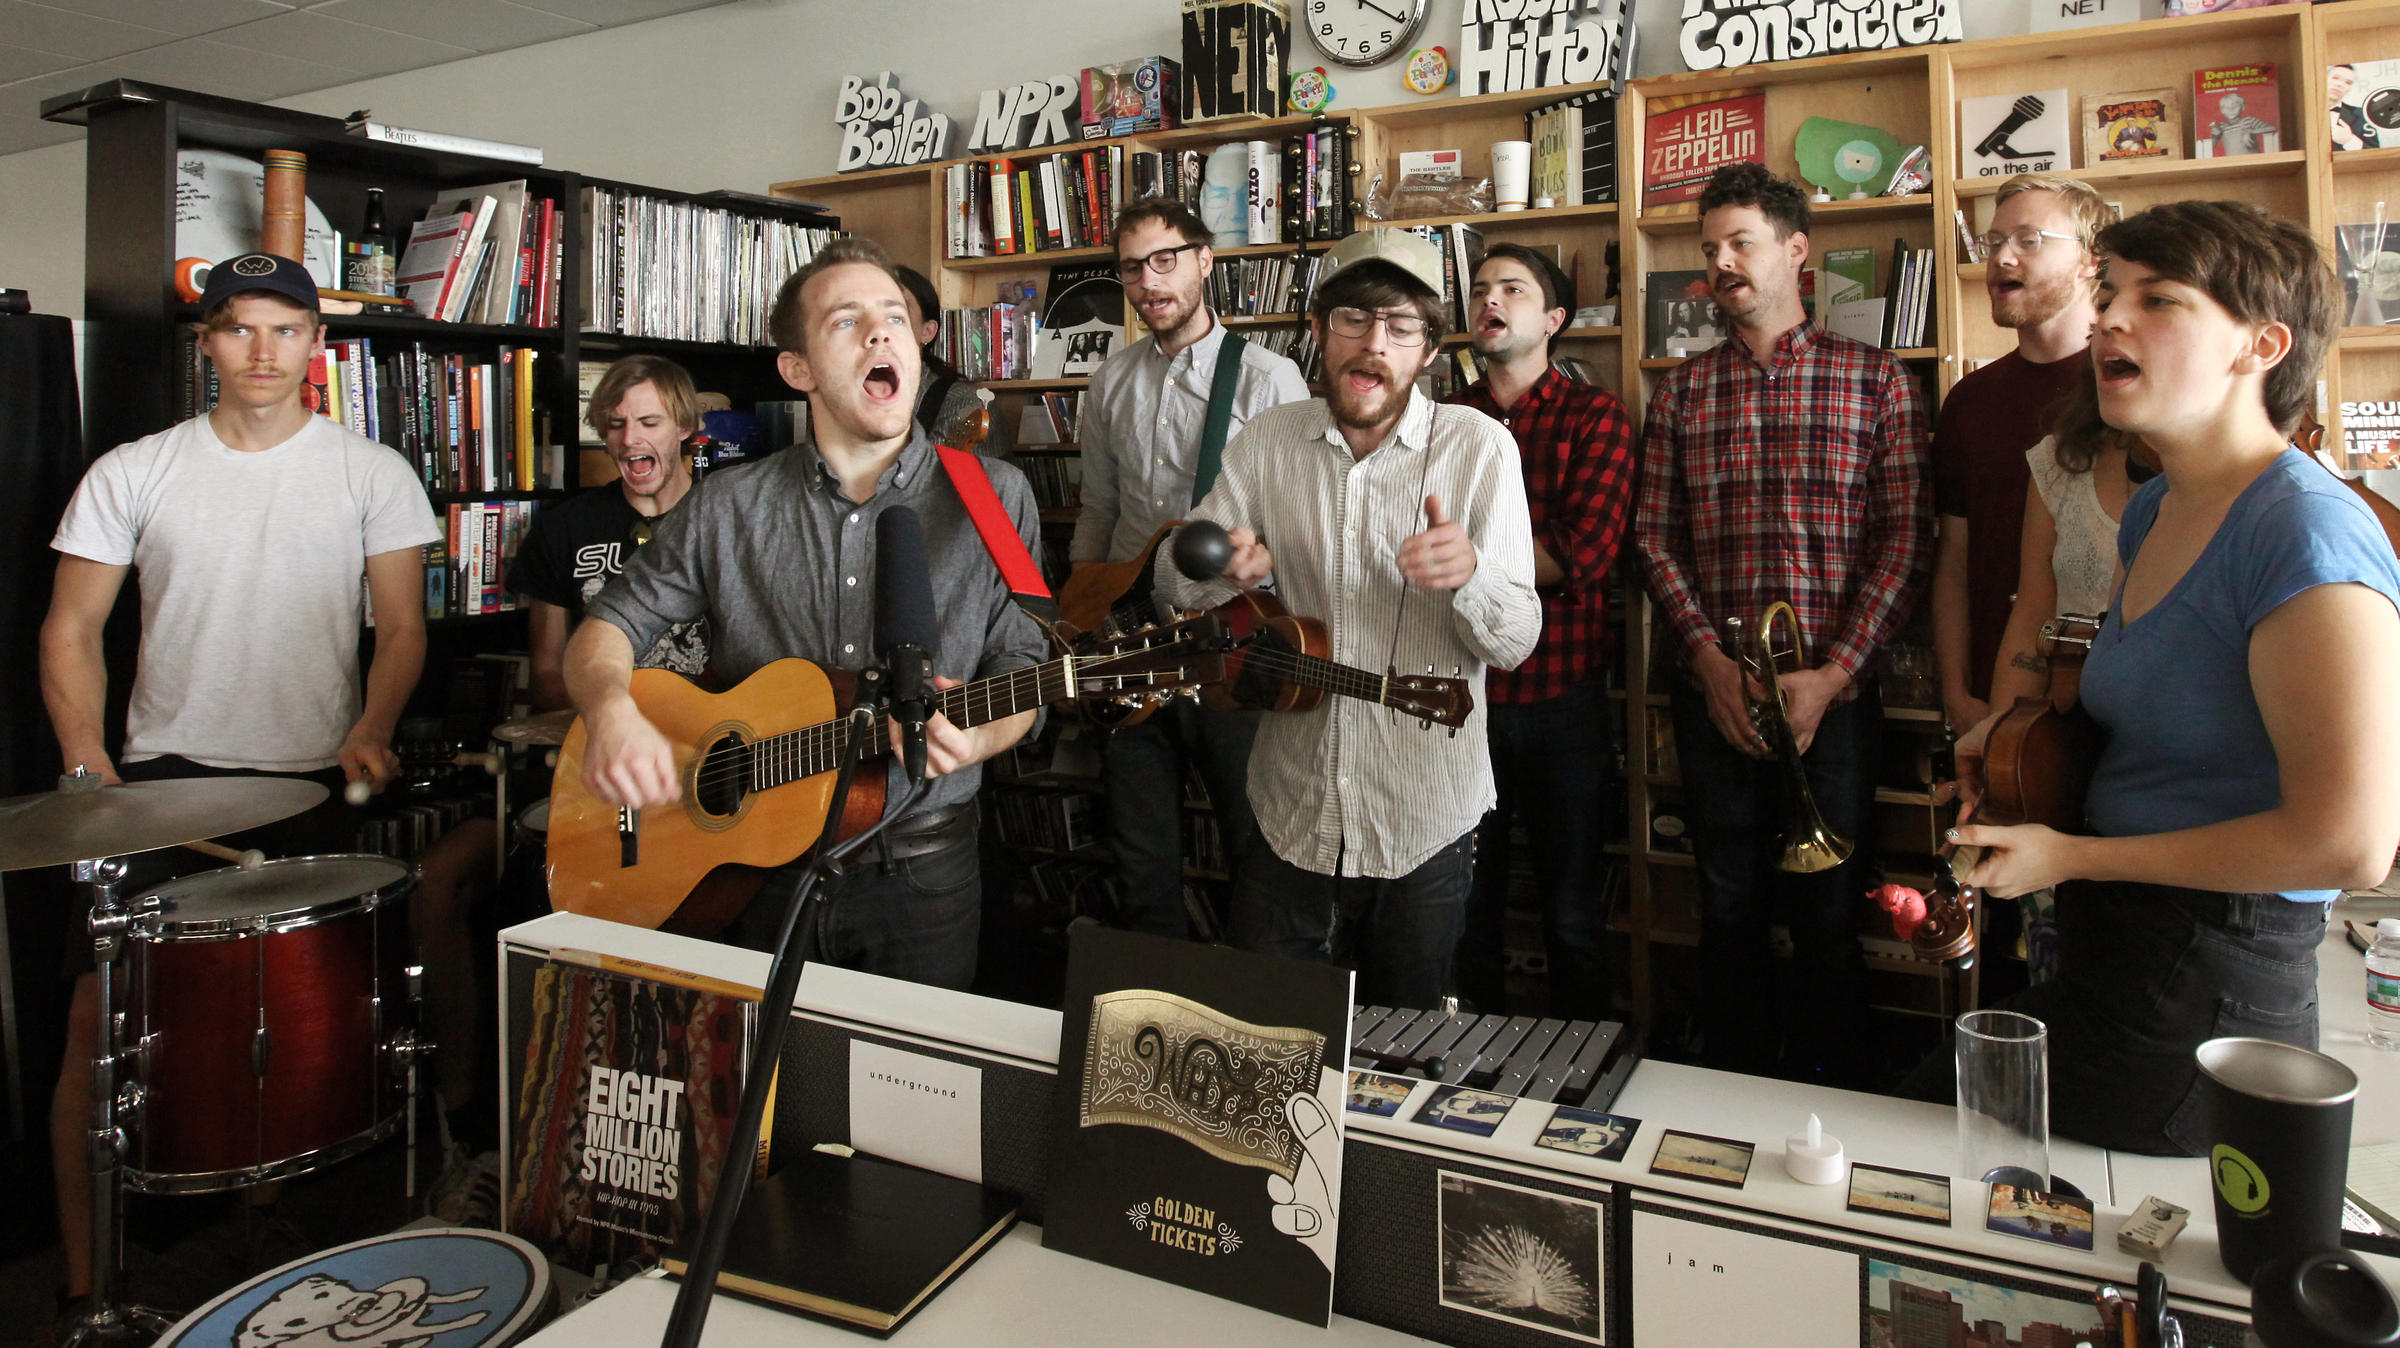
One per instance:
[(357, 791), (490, 763), (249, 860)]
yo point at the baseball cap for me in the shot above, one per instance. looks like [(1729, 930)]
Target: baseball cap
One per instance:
[(1411, 253), (258, 271)]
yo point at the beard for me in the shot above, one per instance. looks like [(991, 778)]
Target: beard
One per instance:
[(2036, 302), (1182, 309), (1364, 411)]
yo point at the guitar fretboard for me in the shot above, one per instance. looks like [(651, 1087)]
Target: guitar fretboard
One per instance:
[(820, 748)]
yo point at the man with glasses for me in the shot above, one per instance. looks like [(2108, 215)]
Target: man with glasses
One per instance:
[(1552, 733), (1151, 447), (1784, 464), (1402, 523), (2039, 277)]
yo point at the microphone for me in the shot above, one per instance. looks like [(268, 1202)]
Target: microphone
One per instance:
[(1203, 550), (905, 631)]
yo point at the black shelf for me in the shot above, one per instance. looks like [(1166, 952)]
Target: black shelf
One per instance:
[(673, 346), (442, 498)]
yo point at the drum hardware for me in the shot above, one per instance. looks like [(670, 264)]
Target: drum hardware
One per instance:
[(1808, 845)]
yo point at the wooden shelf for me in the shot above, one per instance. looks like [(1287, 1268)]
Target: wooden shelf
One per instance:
[(1040, 258), (1929, 715), (1274, 249), (1488, 219), (1257, 320), (1684, 217), (2371, 339), (340, 326), (1235, 128), (2366, 161), (1886, 795), (1035, 385), (2283, 163)]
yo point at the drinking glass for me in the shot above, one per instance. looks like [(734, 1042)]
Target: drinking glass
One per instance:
[(2004, 1097)]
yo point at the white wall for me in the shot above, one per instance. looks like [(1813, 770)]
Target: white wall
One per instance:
[(738, 96)]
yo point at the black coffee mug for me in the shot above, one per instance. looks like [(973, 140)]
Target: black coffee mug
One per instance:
[(2279, 1146)]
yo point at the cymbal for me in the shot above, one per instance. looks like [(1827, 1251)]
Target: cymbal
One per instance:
[(548, 728), (54, 828)]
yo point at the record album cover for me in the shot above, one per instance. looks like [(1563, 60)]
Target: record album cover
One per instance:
[(2143, 125), (620, 1093), (1198, 1137), (2236, 110), (1687, 137)]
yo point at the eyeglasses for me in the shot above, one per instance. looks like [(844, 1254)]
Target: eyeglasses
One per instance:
[(2027, 242), (1162, 261), (1403, 329)]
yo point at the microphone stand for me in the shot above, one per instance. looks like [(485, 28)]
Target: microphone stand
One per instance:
[(783, 983)]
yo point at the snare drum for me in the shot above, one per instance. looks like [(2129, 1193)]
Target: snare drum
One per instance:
[(261, 1008)]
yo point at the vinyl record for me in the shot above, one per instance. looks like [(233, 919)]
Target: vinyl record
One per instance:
[(219, 197)]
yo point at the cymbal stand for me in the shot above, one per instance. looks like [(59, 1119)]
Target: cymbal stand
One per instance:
[(106, 1321)]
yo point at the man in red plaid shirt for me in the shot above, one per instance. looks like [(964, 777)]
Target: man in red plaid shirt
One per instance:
[(1785, 463), (1553, 738)]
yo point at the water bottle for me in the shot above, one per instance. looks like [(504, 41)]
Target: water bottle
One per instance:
[(2383, 985)]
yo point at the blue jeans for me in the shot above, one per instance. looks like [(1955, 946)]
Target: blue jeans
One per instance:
[(1142, 771), (1554, 764), (1399, 934), (1737, 813), (2148, 973), (920, 918)]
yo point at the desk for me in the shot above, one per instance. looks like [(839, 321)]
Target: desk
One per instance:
[(1017, 1294)]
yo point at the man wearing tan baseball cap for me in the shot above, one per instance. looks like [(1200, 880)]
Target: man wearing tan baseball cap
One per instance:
[(1402, 523)]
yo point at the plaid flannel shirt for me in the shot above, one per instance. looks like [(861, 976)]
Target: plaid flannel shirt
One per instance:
[(1803, 482), (1575, 444)]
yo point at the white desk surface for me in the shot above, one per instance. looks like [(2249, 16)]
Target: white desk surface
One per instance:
[(1017, 1294)]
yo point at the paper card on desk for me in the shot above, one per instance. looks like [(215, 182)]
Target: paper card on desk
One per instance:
[(909, 1107), (2374, 1182)]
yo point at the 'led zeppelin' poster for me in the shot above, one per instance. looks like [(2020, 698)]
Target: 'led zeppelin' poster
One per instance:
[(1686, 137)]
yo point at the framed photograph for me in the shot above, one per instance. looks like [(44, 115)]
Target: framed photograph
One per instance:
[(1522, 1255), (1376, 1093), (1588, 1132), (2025, 1311), (2055, 1219), (1900, 1193), (1477, 1112), (1715, 1160)]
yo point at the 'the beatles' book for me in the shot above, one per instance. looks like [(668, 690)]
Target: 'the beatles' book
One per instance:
[(1199, 1132)]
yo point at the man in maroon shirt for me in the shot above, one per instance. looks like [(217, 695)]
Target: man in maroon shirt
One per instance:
[(1784, 464), (1552, 735), (2040, 280)]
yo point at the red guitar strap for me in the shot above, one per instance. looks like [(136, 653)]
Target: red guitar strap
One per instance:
[(999, 533)]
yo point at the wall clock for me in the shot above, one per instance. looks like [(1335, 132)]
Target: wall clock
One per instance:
[(1363, 32)]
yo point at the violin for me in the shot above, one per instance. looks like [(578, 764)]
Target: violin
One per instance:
[(2037, 768)]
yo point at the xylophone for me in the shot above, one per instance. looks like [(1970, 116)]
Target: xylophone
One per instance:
[(1573, 1062)]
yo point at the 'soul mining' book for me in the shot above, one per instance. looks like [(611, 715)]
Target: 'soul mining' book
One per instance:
[(1198, 1129), (856, 1239)]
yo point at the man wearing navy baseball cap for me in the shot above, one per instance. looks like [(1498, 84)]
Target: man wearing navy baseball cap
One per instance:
[(1403, 521), (252, 525)]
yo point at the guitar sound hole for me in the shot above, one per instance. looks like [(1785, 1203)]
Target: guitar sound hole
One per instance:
[(724, 776)]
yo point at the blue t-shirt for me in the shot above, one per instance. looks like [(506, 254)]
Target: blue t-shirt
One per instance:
[(2187, 746)]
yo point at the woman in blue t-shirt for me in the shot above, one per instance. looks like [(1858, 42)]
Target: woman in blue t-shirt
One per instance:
[(2241, 674)]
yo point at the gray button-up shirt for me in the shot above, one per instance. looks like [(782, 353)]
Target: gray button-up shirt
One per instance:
[(781, 564), (1349, 779), (1141, 435)]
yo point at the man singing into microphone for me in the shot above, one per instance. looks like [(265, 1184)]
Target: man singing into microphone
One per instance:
[(1404, 523), (779, 557)]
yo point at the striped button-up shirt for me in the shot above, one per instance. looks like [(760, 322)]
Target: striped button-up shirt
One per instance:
[(1803, 481), (1351, 783), (1141, 435)]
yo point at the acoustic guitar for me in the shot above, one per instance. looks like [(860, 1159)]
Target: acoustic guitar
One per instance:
[(1108, 599), (1279, 664), (758, 765)]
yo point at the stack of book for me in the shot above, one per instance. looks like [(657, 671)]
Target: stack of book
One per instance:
[(992, 341), (1296, 342), (466, 573), (468, 425), (1049, 419), (1248, 287), (688, 272), (1057, 479), (1005, 206), (488, 254), (1462, 252), (1056, 821), (1908, 308)]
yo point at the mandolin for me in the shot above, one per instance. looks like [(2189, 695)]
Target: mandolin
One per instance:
[(758, 765), (2037, 767), (1110, 599), (1278, 663)]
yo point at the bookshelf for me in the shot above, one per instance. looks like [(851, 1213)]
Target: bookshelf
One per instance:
[(137, 131), (1913, 93)]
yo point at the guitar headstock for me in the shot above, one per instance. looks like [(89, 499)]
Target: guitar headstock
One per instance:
[(1443, 702), (1150, 663)]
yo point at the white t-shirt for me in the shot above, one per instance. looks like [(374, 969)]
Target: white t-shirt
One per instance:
[(250, 566), (2083, 560)]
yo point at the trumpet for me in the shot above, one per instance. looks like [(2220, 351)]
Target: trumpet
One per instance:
[(1808, 845)]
